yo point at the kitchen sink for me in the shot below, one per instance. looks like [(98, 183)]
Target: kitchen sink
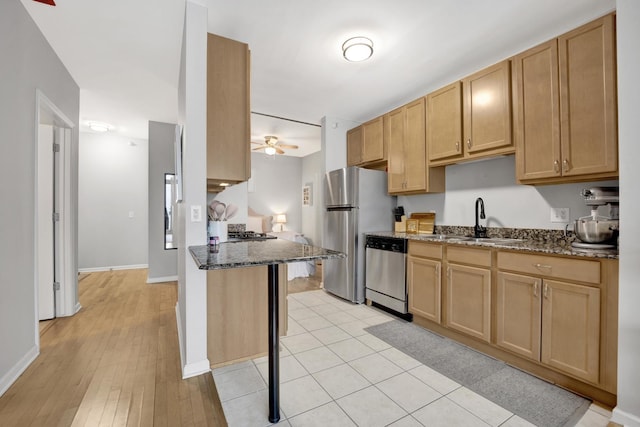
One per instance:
[(443, 237), (491, 240)]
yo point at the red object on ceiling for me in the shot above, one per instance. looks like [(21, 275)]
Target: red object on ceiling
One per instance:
[(49, 2)]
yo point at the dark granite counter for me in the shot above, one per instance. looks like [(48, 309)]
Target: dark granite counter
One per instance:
[(251, 253), (530, 241)]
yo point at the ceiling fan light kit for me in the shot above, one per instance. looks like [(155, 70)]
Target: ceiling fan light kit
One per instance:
[(357, 49), (272, 146)]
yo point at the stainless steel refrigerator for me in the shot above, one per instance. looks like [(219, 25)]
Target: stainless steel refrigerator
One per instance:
[(356, 202)]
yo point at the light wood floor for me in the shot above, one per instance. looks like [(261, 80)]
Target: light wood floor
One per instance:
[(304, 284), (115, 363)]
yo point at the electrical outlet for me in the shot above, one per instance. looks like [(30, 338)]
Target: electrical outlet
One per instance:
[(560, 215), (196, 213)]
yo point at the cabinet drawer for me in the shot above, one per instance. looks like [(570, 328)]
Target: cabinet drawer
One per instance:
[(561, 268), (467, 255), (426, 250)]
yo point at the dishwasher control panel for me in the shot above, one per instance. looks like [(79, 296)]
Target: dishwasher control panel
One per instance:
[(391, 244)]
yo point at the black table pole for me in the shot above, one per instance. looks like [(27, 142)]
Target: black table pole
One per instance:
[(274, 350)]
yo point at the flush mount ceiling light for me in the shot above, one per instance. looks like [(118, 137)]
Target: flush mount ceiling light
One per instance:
[(99, 126), (270, 151), (357, 49)]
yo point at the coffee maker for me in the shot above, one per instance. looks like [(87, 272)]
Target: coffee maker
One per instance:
[(597, 231)]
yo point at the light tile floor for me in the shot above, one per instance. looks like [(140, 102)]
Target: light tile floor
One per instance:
[(334, 373)]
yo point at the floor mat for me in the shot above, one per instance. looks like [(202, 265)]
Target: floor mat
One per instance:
[(531, 398)]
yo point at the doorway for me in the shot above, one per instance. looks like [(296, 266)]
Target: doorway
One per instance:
[(54, 281)]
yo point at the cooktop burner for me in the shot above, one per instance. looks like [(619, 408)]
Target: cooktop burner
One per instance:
[(249, 235)]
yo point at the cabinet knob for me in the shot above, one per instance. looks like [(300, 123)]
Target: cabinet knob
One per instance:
[(457, 145), (565, 165), (469, 143), (556, 166)]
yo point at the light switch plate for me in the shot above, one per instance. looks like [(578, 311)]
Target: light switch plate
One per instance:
[(196, 213), (560, 215)]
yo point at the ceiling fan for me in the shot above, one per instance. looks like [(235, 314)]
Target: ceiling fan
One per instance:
[(49, 2), (272, 146)]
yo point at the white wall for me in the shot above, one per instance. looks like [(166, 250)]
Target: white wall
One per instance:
[(507, 204), (112, 202), (313, 176), (162, 262), (277, 187), (28, 63), (628, 410), (192, 109)]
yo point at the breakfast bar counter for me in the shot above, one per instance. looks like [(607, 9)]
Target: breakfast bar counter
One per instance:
[(268, 253)]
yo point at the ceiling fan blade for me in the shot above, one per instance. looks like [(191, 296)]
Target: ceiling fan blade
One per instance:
[(260, 148), (279, 151), (293, 147), (49, 2)]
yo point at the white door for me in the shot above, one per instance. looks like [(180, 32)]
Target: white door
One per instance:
[(45, 230)]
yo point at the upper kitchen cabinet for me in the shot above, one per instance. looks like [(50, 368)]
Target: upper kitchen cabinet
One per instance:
[(565, 107), (228, 112), (404, 133), (365, 144), (471, 119), (354, 146)]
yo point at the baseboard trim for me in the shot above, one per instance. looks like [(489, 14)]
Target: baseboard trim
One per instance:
[(113, 267), (162, 279), (10, 377), (624, 418), (191, 369)]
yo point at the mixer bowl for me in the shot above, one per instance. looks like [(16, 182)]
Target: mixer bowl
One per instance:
[(591, 230)]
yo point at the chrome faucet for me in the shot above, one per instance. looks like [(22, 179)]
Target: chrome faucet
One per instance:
[(479, 231)]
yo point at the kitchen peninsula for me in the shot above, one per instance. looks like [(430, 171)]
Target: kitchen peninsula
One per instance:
[(249, 256)]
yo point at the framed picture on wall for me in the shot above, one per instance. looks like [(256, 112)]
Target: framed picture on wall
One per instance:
[(178, 158), (307, 195)]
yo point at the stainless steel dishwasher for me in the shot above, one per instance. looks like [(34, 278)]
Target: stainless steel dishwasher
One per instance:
[(386, 272)]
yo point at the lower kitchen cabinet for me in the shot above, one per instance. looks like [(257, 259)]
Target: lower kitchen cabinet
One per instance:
[(557, 323), (423, 278), (519, 314), (571, 328), (468, 300), (551, 315)]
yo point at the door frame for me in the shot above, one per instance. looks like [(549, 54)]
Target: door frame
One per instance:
[(65, 298)]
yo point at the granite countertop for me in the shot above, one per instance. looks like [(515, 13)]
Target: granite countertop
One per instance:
[(253, 253), (554, 243)]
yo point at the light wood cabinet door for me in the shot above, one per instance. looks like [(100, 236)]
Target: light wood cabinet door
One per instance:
[(423, 278), (415, 158), (518, 314), (228, 111), (468, 300), (571, 328), (487, 109), (537, 113), (444, 122), (588, 99), (394, 133), (373, 141), (354, 146)]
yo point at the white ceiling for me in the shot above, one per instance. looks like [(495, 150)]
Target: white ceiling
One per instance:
[(124, 54)]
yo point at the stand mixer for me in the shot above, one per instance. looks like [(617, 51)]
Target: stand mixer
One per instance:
[(596, 231)]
